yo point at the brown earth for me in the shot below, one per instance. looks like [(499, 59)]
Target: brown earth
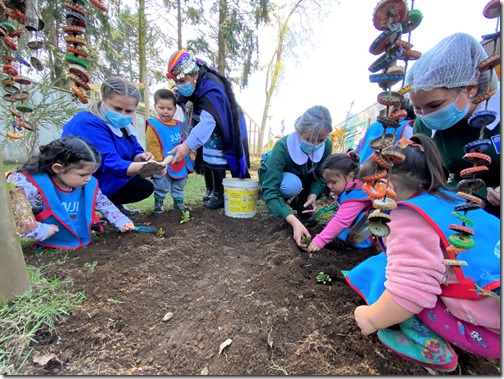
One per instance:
[(222, 278)]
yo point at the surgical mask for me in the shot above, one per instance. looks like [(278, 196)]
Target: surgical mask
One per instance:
[(118, 120), (186, 89), (445, 117), (309, 148)]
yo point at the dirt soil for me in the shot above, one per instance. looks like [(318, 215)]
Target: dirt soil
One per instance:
[(240, 280)]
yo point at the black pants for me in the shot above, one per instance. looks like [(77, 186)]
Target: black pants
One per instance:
[(135, 190)]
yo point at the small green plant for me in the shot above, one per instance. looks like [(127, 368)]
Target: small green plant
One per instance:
[(160, 232), (111, 323), (91, 264), (186, 217), (323, 278), (305, 240), (115, 301)]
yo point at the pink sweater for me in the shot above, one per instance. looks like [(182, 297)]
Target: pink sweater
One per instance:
[(415, 272), (343, 219)]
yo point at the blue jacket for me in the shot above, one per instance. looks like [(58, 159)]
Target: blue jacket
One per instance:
[(360, 196), (213, 96), (170, 137), (374, 131), (117, 152), (483, 269), (72, 212)]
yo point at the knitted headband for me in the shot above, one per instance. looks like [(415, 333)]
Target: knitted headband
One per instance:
[(180, 64)]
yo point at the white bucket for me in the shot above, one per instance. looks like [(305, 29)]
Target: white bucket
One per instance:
[(240, 197)]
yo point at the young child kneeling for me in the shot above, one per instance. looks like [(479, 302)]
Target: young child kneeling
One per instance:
[(64, 195)]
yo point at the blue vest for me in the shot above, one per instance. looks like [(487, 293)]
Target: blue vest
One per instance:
[(169, 137), (374, 131), (360, 196), (72, 212), (483, 269)]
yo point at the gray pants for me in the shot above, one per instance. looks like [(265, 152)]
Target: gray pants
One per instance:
[(165, 184)]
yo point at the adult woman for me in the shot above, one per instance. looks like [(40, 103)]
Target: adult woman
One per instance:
[(220, 126), (106, 124), (445, 83), (293, 169)]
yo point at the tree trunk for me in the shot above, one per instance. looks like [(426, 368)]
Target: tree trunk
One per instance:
[(142, 29), (221, 54), (179, 25), (13, 275)]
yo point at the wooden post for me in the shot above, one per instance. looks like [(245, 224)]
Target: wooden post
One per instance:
[(146, 95)]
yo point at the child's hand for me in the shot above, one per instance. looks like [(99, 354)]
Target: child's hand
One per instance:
[(361, 314), (127, 227), (192, 157), (53, 229), (313, 247), (493, 195)]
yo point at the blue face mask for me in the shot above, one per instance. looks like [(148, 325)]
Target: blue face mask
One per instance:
[(186, 89), (118, 120), (445, 117), (309, 148)]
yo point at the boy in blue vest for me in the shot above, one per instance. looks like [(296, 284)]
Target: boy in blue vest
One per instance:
[(163, 133)]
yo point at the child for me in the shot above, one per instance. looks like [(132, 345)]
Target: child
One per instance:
[(64, 195), (430, 302), (340, 173), (163, 133)]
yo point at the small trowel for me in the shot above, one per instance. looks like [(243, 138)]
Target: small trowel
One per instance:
[(359, 232)]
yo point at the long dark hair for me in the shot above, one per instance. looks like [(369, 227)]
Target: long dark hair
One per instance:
[(69, 152)]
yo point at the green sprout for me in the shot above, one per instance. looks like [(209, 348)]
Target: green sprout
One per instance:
[(91, 264), (305, 240), (160, 232), (186, 217), (323, 278)]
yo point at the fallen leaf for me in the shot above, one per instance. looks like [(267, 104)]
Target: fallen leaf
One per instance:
[(44, 359), (225, 344)]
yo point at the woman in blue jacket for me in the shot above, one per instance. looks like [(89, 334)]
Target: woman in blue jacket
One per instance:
[(107, 125)]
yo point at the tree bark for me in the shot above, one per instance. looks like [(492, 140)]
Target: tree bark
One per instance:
[(13, 275)]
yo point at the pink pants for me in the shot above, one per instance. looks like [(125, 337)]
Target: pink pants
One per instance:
[(474, 339)]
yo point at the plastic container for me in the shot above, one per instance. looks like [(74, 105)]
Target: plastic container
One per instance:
[(240, 197)]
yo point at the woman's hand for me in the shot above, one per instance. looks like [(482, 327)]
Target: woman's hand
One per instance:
[(180, 152), (363, 320), (310, 205), (144, 157), (53, 229), (127, 227), (493, 195), (299, 230), (313, 247)]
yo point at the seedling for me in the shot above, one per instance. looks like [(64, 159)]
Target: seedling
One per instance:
[(186, 217), (305, 240), (91, 264), (323, 278), (115, 301), (160, 232)]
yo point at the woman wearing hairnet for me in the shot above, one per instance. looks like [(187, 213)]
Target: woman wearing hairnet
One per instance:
[(293, 169), (445, 82)]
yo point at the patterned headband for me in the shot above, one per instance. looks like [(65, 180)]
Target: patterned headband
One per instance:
[(180, 64)]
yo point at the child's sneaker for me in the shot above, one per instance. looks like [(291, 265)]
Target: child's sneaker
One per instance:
[(158, 205), (418, 343), (179, 204)]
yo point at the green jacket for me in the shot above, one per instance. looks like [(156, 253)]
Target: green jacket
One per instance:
[(450, 143), (278, 162)]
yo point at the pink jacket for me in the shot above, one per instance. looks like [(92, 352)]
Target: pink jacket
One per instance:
[(343, 218), (415, 272)]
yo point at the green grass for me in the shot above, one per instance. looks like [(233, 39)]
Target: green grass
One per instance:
[(31, 315)]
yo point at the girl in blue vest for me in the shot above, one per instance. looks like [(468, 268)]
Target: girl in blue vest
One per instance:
[(417, 302), (162, 134), (64, 195), (340, 173)]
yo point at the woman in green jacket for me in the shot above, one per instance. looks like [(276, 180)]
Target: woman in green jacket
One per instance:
[(293, 170)]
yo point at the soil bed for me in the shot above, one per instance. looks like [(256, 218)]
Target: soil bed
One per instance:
[(222, 278)]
